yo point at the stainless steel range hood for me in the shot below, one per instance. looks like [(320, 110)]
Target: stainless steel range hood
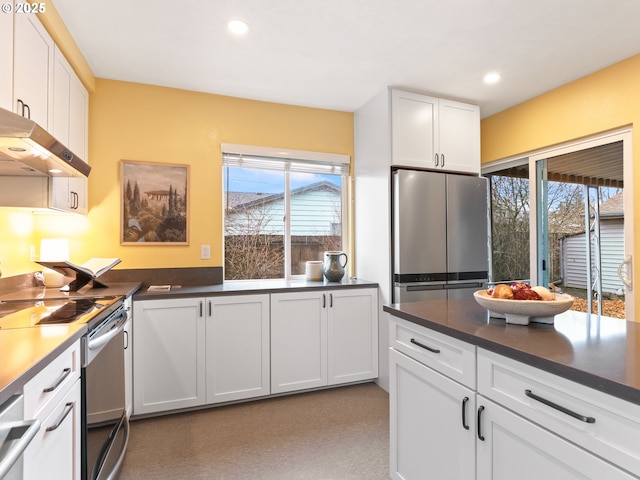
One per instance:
[(26, 149)]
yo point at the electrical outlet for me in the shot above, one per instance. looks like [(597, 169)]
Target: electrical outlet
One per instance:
[(205, 252)]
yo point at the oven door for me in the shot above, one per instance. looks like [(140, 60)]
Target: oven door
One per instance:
[(107, 424)]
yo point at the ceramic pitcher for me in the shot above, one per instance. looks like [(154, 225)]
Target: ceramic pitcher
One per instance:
[(332, 268)]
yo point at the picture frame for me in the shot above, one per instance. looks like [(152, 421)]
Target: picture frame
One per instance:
[(154, 203)]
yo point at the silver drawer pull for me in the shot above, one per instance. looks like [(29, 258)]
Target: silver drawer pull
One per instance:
[(67, 411), (19, 436), (560, 408), (65, 374), (415, 342)]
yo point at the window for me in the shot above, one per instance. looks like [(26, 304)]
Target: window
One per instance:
[(280, 210), (557, 217)]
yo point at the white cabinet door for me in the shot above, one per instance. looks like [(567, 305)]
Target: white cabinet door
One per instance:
[(516, 448), (69, 106), (298, 341), (32, 69), (68, 194), (459, 136), (6, 60), (352, 335), (168, 354), (431, 423), (414, 129), (69, 126), (237, 347), (429, 132), (54, 453)]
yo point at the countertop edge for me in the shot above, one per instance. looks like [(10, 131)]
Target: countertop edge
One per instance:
[(17, 384), (249, 288), (582, 377)]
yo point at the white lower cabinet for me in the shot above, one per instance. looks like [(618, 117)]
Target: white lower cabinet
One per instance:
[(321, 338), (54, 453), (53, 397), (298, 341), (514, 447), (431, 423), (194, 351), (168, 354), (189, 352), (237, 347), (522, 422), (352, 343)]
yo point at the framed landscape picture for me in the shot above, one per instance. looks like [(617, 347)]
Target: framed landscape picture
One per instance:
[(154, 199)]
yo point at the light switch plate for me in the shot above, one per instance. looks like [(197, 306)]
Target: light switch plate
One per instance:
[(205, 252)]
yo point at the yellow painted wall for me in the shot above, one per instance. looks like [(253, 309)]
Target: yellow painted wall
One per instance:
[(602, 101), (129, 121), (142, 122)]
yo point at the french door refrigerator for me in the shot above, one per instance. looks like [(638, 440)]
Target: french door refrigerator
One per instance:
[(440, 240)]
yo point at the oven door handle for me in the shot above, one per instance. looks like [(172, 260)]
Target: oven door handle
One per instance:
[(98, 342), (26, 431)]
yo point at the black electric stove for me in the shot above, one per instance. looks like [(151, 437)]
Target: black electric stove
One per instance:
[(41, 312)]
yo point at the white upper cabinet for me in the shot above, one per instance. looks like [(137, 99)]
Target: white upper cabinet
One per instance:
[(414, 128), (69, 125), (6, 61), (32, 69), (70, 107), (434, 133)]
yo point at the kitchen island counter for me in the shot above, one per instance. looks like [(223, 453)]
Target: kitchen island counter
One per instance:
[(599, 352)]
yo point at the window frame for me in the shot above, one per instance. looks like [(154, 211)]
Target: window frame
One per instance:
[(291, 161), (625, 135)]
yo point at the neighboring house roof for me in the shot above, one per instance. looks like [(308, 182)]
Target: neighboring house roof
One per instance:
[(238, 201), (614, 207)]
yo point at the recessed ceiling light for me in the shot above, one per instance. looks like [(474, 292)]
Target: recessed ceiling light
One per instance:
[(238, 27), (491, 78)]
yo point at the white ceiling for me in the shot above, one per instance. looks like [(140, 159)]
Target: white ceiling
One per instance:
[(337, 54)]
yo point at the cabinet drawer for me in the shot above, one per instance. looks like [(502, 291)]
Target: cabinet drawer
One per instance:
[(451, 357), (601, 423), (52, 382)]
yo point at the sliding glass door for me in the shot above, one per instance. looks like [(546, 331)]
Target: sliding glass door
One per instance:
[(578, 198)]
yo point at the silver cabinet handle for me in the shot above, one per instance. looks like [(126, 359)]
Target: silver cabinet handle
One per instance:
[(442, 155), (65, 373), (23, 432), (560, 408), (68, 407), (437, 159)]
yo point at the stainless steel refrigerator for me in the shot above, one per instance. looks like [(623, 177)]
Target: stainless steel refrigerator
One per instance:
[(439, 235)]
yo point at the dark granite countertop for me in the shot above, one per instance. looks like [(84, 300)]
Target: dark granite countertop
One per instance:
[(600, 352), (36, 293), (26, 351), (245, 287)]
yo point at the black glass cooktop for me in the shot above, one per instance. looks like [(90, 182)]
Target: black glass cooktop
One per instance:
[(32, 313)]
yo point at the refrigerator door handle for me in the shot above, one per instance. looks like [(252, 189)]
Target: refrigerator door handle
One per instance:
[(419, 288), (453, 286)]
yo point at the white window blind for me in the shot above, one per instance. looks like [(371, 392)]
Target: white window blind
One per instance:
[(291, 160)]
